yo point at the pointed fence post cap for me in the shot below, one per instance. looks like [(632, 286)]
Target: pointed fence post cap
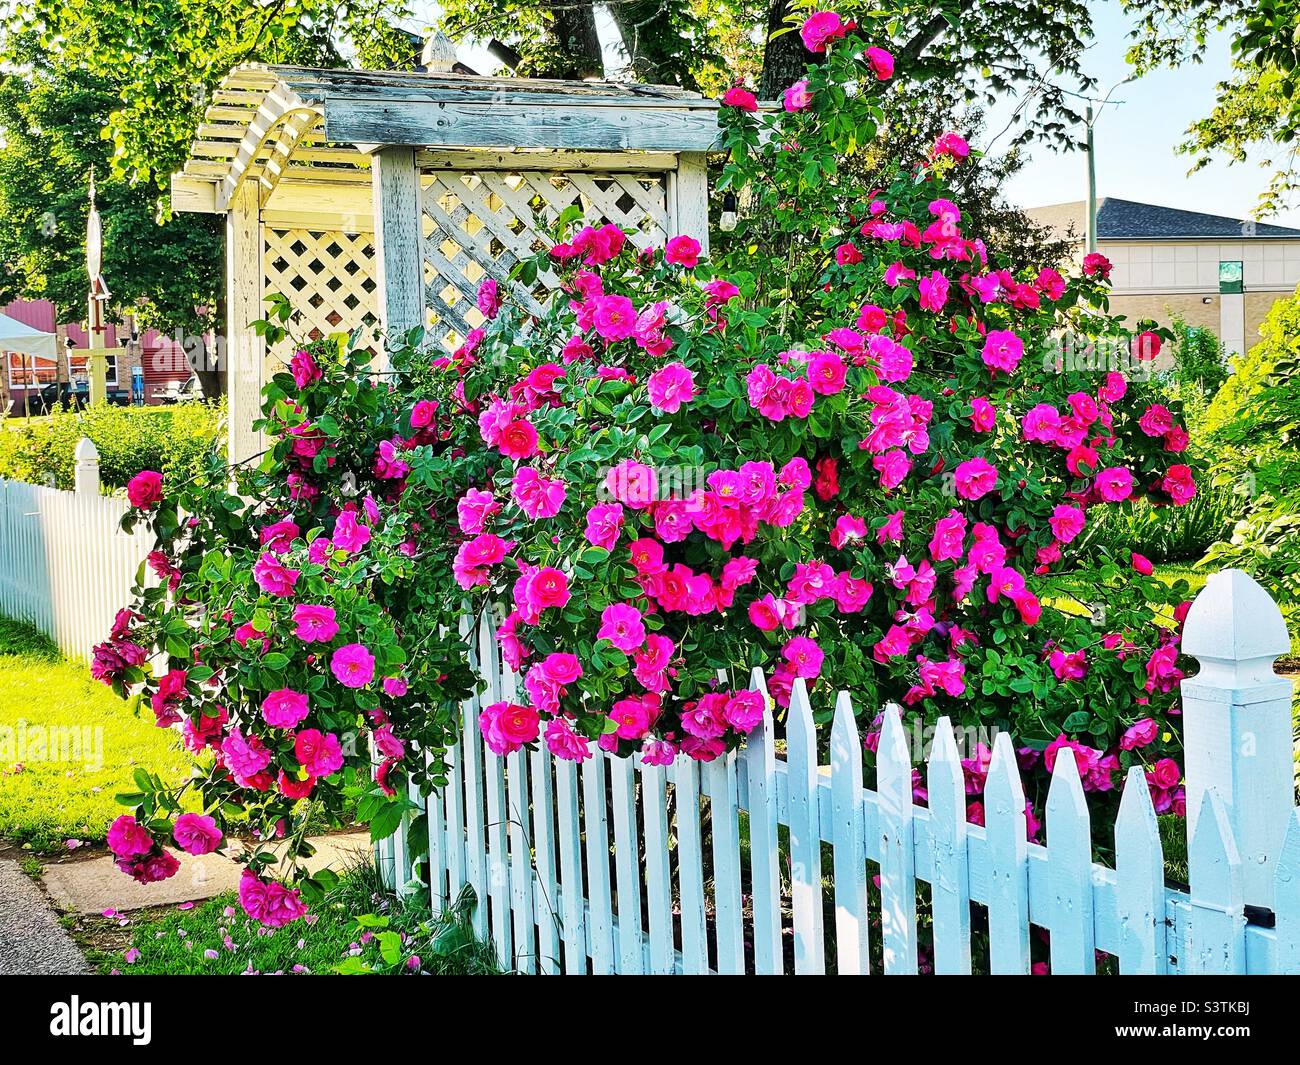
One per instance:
[(86, 450), (1234, 620), (439, 52)]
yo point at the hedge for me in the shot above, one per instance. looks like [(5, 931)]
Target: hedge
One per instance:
[(130, 439)]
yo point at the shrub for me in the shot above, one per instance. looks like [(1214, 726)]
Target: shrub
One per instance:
[(673, 470), (1200, 359), (1253, 424), (171, 439)]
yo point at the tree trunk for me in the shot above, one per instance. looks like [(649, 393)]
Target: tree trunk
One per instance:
[(578, 41), (784, 58), (633, 18)]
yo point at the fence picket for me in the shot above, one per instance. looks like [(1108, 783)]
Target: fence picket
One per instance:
[(1140, 879), (494, 784), (600, 924), (805, 833), (851, 918), (1008, 850), (897, 855), (690, 866), (453, 800), (435, 826), (1215, 933), (471, 748), (571, 892), (658, 875), (548, 918), (1069, 870), (622, 779), (765, 887), (723, 805), (1286, 900), (521, 860), (950, 887)]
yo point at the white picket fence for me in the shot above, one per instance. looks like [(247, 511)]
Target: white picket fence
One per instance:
[(559, 893), (65, 566)]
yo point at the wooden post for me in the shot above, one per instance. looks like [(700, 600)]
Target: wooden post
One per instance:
[(97, 357), (245, 350), (690, 198), (86, 474), (1237, 722), (399, 258)]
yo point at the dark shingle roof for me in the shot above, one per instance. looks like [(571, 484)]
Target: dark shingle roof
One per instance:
[(1127, 220)]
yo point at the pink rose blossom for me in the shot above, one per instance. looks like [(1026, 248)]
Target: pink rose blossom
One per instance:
[(353, 665), (670, 387), (315, 624), (621, 625), (284, 708), (682, 251), (196, 834)]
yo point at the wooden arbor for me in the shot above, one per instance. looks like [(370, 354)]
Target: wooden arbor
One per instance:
[(383, 196)]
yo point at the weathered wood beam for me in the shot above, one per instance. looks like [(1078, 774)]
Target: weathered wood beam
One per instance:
[(523, 125), (605, 162)]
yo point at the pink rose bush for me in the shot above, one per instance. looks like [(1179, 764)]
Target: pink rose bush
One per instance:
[(861, 471)]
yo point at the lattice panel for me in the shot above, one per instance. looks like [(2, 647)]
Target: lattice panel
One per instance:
[(483, 223), (328, 276)]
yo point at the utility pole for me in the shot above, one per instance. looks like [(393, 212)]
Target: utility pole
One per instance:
[(1090, 121), (1092, 186)]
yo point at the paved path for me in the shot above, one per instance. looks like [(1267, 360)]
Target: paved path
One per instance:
[(31, 940), (96, 885)]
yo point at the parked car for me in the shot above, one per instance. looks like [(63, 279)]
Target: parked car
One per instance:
[(179, 391), (76, 395)]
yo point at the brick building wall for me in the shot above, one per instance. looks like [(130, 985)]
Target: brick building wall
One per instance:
[(158, 358)]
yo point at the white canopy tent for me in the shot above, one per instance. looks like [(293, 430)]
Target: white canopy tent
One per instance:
[(26, 339), (29, 342)]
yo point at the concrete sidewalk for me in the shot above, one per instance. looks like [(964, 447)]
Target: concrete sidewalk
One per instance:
[(97, 884), (32, 943)]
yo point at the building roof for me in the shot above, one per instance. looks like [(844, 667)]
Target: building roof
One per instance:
[(1130, 220), (274, 123)]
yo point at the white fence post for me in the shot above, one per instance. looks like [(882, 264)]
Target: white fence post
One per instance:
[(86, 472), (1237, 722)]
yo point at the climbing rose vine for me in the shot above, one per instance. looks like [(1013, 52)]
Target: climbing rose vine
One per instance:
[(675, 472)]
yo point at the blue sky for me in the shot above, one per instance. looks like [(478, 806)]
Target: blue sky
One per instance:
[(1135, 137)]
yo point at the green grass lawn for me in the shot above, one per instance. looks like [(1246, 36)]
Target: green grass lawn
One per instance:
[(68, 745), (357, 929)]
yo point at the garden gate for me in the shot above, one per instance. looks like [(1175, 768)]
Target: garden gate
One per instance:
[(385, 197)]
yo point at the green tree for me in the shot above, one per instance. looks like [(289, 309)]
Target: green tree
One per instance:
[(1257, 108), (52, 112), (1254, 427), (168, 56)]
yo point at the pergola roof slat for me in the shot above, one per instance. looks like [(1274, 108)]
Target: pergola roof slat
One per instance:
[(282, 123)]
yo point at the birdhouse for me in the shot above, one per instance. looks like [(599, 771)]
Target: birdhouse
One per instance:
[(386, 197)]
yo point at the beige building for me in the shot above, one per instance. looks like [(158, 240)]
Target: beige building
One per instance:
[(1220, 273)]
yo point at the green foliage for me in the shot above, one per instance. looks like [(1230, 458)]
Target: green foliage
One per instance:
[(1200, 359), (20, 639), (171, 54), (1256, 112), (51, 111), (1254, 422), (171, 439), (361, 929), (1169, 534)]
